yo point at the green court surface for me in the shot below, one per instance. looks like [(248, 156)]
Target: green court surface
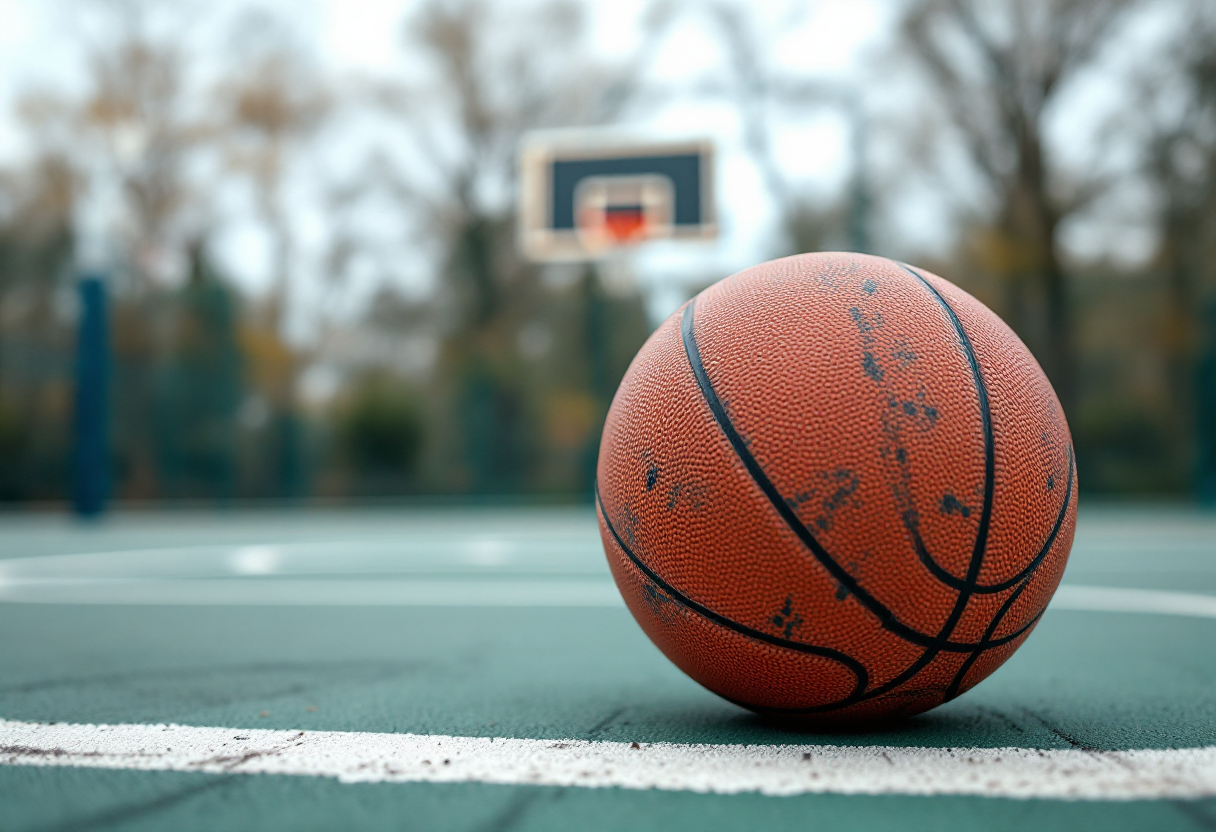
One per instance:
[(504, 623)]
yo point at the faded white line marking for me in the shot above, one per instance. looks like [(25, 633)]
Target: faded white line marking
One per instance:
[(1063, 774), (1118, 599), (321, 592), (444, 571), (255, 560), (553, 590)]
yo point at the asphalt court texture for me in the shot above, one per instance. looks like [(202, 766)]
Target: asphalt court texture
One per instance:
[(407, 628)]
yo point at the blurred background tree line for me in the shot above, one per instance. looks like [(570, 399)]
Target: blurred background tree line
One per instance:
[(492, 375)]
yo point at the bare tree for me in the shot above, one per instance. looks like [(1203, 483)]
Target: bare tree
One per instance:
[(1181, 165), (494, 72), (35, 340), (996, 68), (130, 140), (271, 103), (136, 126), (762, 92)]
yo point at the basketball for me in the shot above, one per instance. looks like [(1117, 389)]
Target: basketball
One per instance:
[(836, 489)]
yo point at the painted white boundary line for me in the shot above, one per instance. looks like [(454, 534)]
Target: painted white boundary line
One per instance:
[(1067, 774)]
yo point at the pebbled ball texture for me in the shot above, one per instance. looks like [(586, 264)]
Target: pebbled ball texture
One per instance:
[(836, 489)]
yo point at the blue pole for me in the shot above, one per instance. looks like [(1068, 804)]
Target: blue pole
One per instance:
[(1205, 408), (90, 470)]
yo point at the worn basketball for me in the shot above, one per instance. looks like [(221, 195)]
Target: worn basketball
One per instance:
[(836, 488)]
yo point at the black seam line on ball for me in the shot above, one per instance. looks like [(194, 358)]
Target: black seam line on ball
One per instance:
[(932, 653), (907, 674), (854, 666), (956, 683), (885, 616), (987, 589), (981, 392), (981, 536), (953, 690)]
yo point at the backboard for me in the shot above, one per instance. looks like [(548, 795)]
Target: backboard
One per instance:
[(586, 194)]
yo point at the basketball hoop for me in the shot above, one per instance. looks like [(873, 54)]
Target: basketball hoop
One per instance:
[(584, 195), (622, 211)]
